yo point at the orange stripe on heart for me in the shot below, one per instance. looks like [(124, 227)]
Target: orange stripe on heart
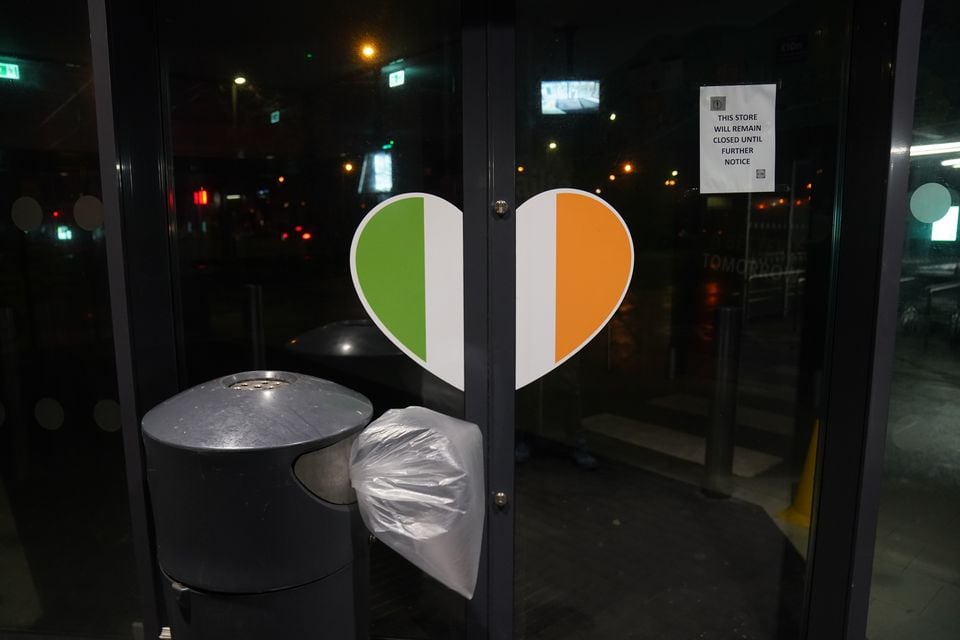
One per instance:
[(594, 265)]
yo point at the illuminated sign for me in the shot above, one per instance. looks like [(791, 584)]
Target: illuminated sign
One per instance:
[(376, 174), (274, 117), (945, 229), (559, 97), (382, 173), (396, 78), (9, 71)]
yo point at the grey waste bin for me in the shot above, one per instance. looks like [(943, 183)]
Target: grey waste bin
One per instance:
[(258, 533)]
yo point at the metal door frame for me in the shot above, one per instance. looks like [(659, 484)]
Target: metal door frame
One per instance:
[(489, 285), (875, 164)]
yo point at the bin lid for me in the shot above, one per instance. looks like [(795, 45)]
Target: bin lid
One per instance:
[(258, 410), (345, 339)]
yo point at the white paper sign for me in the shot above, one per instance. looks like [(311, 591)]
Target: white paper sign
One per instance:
[(738, 138)]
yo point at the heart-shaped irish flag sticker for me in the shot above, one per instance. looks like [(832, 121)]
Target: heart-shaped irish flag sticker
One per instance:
[(574, 264), (407, 266)]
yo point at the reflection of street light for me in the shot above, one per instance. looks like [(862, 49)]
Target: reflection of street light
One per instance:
[(238, 81), (368, 51), (611, 177), (348, 167), (627, 167)]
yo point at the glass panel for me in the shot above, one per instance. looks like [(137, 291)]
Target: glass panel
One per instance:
[(715, 352), (66, 558), (915, 591), (290, 121)]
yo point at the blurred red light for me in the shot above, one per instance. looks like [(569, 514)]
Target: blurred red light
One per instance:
[(307, 236), (298, 228), (56, 214), (284, 235), (201, 197)]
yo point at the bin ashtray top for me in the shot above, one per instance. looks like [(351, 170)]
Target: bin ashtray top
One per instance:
[(258, 410)]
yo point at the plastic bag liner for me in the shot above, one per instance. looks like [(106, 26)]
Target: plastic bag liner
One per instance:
[(418, 475)]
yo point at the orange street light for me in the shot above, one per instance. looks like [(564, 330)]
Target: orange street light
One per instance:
[(368, 51)]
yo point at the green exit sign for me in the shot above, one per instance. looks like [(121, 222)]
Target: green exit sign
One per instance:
[(9, 71)]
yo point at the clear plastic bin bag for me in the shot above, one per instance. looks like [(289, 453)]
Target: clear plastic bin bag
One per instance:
[(418, 475)]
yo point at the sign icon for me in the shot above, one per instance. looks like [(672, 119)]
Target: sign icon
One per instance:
[(9, 71), (574, 264)]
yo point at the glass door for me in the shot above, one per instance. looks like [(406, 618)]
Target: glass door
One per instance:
[(664, 463), (66, 540), (915, 586), (289, 122)]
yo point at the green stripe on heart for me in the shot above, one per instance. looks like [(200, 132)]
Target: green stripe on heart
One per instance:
[(389, 263)]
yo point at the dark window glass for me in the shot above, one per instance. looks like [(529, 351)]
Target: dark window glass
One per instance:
[(915, 592), (290, 121), (616, 535), (66, 558)]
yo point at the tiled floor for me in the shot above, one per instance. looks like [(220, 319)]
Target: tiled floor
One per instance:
[(624, 553), (916, 584)]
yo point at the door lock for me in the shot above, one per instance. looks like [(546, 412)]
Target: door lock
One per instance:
[(501, 208), (500, 499)]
